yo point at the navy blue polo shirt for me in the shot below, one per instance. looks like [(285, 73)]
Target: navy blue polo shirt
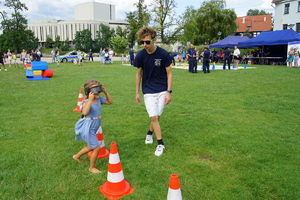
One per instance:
[(154, 75), (226, 53)]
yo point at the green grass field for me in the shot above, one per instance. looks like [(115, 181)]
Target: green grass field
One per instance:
[(228, 134)]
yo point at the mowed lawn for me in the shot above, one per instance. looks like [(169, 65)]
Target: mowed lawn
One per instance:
[(230, 134)]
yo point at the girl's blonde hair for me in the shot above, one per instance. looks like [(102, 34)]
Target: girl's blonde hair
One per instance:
[(88, 84)]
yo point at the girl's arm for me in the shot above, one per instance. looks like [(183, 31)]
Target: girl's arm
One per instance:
[(86, 106)]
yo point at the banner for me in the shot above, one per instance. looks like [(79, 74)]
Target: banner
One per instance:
[(294, 45)]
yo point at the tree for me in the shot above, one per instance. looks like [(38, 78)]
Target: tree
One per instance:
[(188, 26), (121, 32), (253, 12), (83, 40), (209, 20), (57, 41), (30, 42), (49, 42), (164, 16), (103, 36), (14, 28), (137, 19), (65, 46), (119, 43)]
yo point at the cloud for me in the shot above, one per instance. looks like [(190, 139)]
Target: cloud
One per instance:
[(64, 9)]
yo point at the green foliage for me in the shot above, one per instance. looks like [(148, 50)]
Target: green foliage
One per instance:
[(121, 32), (119, 43), (65, 45), (104, 35), (229, 135), (164, 17), (253, 12), (137, 19), (204, 23), (83, 40), (15, 36), (49, 42), (57, 41), (30, 41)]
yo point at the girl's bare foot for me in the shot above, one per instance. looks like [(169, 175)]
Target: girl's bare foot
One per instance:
[(78, 159), (94, 170)]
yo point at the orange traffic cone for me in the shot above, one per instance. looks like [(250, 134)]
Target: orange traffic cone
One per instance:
[(174, 192), (115, 187), (79, 103), (103, 153)]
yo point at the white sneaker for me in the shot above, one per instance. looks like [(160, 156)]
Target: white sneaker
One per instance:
[(5, 70), (159, 150), (149, 139)]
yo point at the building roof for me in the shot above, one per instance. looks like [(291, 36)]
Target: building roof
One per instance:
[(274, 1), (256, 23)]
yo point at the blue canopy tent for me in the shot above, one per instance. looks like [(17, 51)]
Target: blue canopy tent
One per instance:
[(269, 38), (276, 41), (230, 41)]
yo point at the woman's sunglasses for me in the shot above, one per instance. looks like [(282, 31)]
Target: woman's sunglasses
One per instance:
[(147, 42)]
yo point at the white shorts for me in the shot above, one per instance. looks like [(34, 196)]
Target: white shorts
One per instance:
[(155, 103)]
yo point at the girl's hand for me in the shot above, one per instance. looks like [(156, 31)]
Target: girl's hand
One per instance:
[(91, 96), (103, 89)]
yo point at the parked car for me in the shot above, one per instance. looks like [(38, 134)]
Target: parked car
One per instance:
[(70, 56)]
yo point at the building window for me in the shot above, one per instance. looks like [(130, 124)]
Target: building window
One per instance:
[(284, 26), (298, 27), (298, 6), (286, 8), (248, 28)]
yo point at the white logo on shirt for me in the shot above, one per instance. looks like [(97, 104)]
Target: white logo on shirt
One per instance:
[(157, 62)]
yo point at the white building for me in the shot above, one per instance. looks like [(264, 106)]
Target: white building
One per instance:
[(87, 16), (287, 14)]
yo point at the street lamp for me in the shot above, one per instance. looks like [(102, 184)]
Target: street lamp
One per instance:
[(290, 26), (219, 34)]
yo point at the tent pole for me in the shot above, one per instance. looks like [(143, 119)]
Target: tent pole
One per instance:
[(262, 55)]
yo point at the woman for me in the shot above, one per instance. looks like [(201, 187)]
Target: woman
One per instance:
[(9, 58), (290, 57), (236, 57)]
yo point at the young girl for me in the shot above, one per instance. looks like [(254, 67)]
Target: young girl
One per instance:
[(122, 59), (14, 59), (87, 126), (58, 60)]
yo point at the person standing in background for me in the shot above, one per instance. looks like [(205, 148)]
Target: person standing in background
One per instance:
[(236, 57), (226, 54), (91, 55), (131, 54), (53, 54), (2, 60)]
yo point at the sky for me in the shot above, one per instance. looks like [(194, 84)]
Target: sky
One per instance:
[(64, 9)]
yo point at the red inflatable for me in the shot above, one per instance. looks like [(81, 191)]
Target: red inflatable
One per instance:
[(47, 73)]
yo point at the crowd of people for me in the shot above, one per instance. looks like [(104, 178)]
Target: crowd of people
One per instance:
[(25, 57), (193, 57)]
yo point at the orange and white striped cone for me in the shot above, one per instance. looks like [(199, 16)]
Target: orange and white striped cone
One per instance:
[(115, 187), (79, 103), (174, 192), (103, 153)]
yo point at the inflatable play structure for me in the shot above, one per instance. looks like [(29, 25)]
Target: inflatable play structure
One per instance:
[(38, 70)]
